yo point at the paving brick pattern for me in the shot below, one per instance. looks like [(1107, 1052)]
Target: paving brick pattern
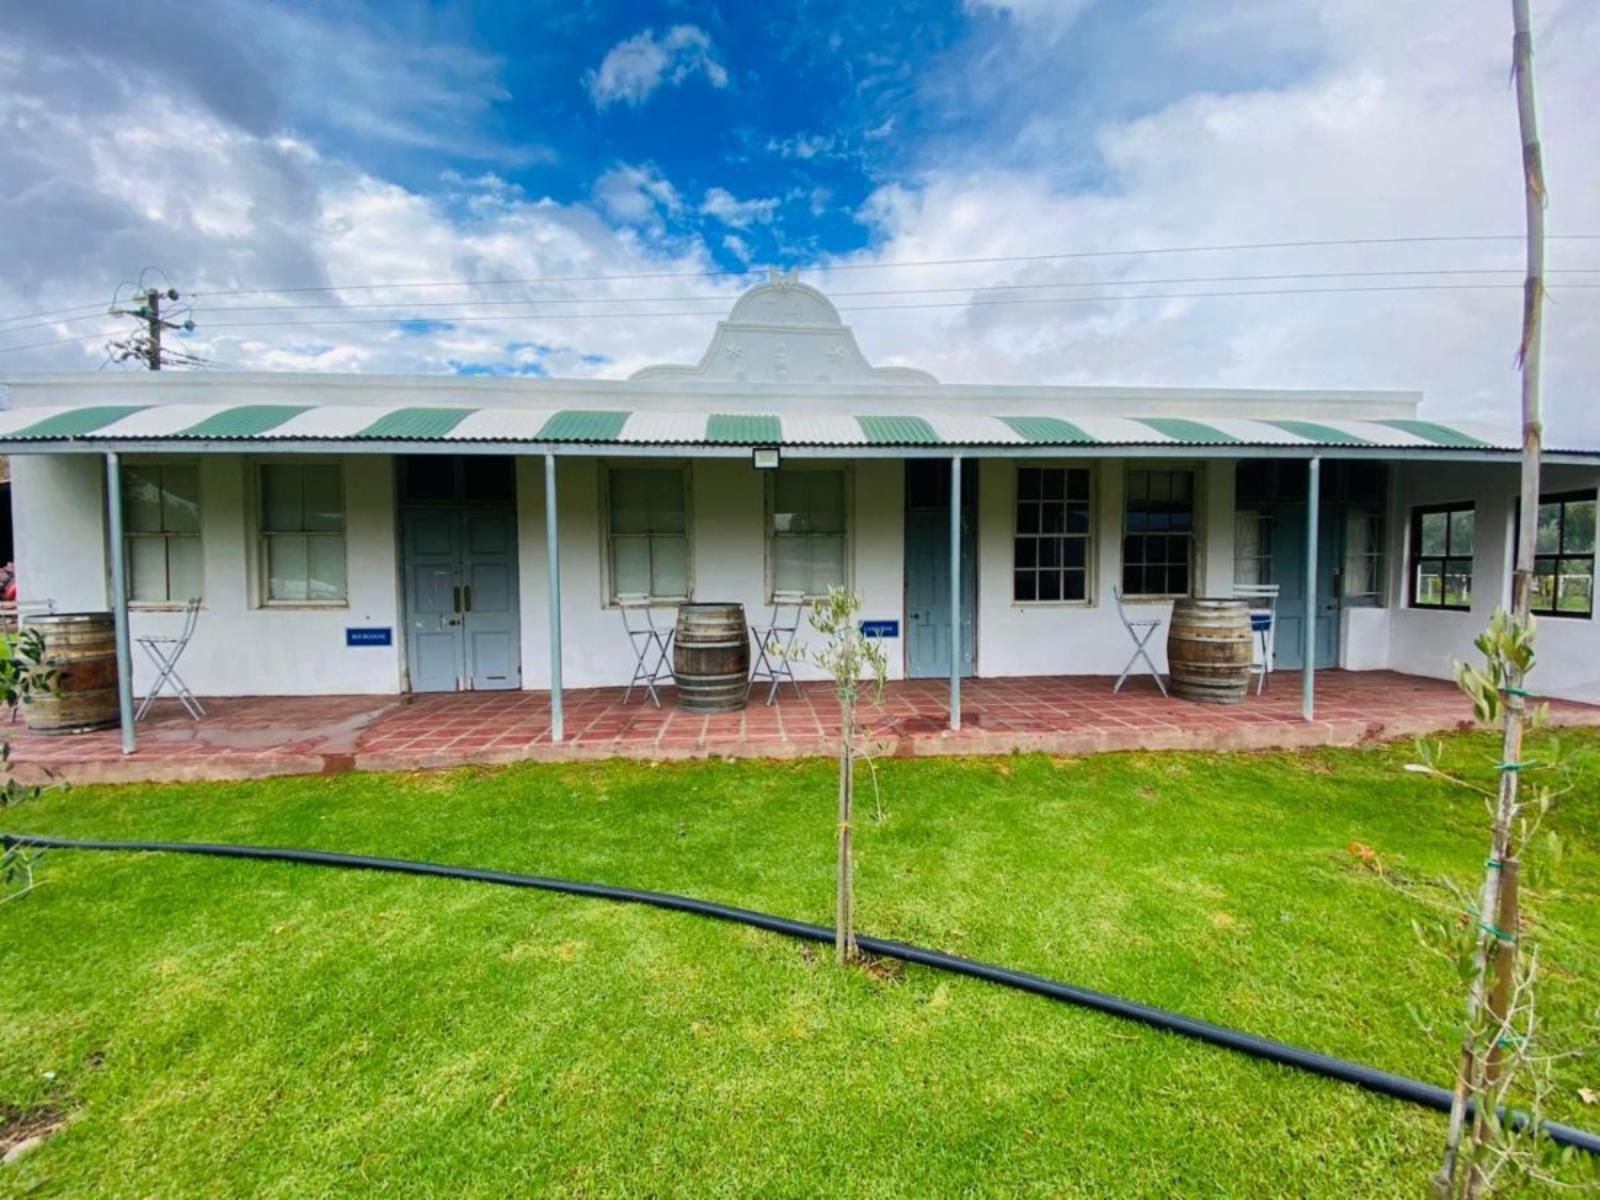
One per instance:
[(260, 736)]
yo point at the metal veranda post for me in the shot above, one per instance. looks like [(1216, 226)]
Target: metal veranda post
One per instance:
[(955, 592), (119, 600), (552, 552), (1308, 667)]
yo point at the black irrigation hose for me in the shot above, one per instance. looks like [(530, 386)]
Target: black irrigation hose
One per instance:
[(1373, 1080)]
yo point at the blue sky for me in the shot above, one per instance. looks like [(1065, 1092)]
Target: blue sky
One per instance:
[(803, 113), (620, 154)]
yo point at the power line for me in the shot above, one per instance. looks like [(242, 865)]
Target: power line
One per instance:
[(995, 287), (633, 316), (824, 268)]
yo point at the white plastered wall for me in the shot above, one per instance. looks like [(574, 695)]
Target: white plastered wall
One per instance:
[(727, 514), (240, 647), (1426, 641), (1085, 639)]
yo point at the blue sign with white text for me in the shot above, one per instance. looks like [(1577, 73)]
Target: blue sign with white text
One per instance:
[(880, 629), (369, 637)]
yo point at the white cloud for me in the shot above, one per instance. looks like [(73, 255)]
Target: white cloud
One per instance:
[(635, 67), (636, 195), (1380, 140), (738, 247), (223, 208), (802, 146), (741, 214), (1050, 16)]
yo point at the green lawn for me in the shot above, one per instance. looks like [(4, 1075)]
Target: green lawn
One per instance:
[(222, 1028)]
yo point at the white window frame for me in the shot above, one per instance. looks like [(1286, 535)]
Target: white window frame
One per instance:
[(260, 537), (769, 488), (1196, 535), (1091, 538), (147, 460), (608, 587)]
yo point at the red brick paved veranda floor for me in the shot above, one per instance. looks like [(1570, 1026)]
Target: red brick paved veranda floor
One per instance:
[(252, 737)]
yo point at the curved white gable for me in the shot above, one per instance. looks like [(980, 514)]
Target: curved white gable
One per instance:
[(785, 331)]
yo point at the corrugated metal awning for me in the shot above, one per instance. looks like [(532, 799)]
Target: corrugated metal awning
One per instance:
[(287, 423)]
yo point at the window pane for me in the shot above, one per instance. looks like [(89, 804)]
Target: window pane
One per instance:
[(1078, 484), (1430, 583), (1055, 484), (1026, 553), (1049, 552), (180, 499), (827, 563), (1547, 534), (141, 499), (1132, 580), (669, 566), (630, 566), (323, 498), (325, 569), (1579, 535), (1028, 517), (1028, 483), (1075, 585), (183, 569), (1133, 549), (1543, 596), (791, 565), (287, 567), (1077, 518), (1461, 523), (1076, 552), (1049, 585), (147, 569), (1177, 580), (1458, 582), (827, 501), (1575, 586), (1024, 586), (1434, 528), (280, 498), (1246, 535)]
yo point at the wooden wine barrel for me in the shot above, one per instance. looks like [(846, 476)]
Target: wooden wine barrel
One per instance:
[(711, 657), (82, 647), (1209, 650)]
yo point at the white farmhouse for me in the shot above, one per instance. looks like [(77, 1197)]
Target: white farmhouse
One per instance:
[(381, 534)]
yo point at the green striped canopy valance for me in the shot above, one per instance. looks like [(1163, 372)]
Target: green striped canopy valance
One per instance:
[(132, 423)]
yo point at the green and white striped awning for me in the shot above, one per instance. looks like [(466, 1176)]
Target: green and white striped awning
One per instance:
[(288, 423)]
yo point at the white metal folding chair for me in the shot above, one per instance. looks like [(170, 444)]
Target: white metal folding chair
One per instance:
[(652, 647), (774, 645), (1141, 630), (165, 651), (1263, 598)]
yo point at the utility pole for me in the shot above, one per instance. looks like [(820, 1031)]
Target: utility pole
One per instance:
[(148, 346)]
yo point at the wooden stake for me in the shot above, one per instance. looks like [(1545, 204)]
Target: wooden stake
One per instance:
[(844, 937), (1471, 1072)]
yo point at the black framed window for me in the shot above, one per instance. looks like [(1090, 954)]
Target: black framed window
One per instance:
[(1050, 552), (1563, 556), (1441, 556), (1158, 533)]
